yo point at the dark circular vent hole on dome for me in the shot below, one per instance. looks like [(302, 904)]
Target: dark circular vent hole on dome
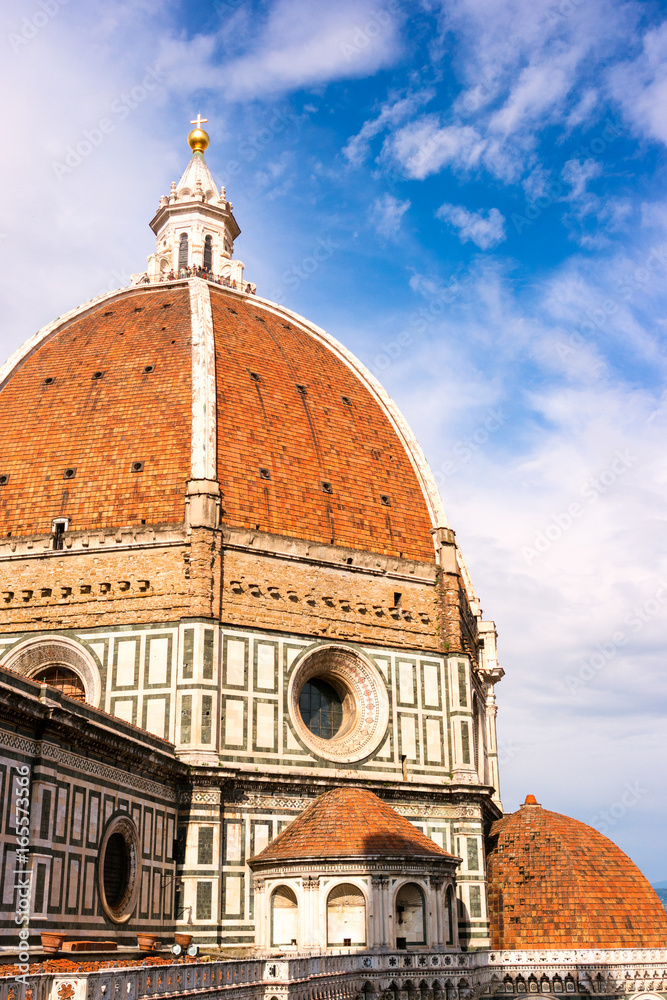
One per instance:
[(137, 467), (302, 389), (321, 708), (49, 381), (108, 313), (98, 375), (4, 479), (116, 872), (138, 309), (385, 500), (260, 319), (232, 310), (148, 369), (255, 377), (167, 305), (264, 474), (346, 400), (69, 473), (327, 488)]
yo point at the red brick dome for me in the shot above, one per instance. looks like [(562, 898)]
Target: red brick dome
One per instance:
[(556, 883), (305, 442)]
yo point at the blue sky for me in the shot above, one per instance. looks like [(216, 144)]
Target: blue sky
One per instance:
[(489, 178)]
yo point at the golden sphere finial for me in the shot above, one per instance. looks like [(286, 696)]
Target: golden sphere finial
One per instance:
[(198, 139)]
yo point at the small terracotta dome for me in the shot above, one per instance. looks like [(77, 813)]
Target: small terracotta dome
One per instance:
[(556, 883), (350, 823)]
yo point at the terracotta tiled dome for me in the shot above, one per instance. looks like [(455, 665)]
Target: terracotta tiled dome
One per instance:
[(307, 443), (350, 823), (557, 883)]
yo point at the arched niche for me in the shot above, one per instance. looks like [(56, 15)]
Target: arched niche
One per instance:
[(284, 917), (346, 916), (410, 922)]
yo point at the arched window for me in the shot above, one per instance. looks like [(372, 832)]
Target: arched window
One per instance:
[(208, 253), (284, 917), (410, 915), (346, 916), (183, 251), (450, 913), (62, 679)]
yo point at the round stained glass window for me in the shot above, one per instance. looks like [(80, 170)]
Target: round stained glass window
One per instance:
[(321, 708), (338, 703)]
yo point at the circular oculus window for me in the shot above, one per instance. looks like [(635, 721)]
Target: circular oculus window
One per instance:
[(338, 703), (117, 869)]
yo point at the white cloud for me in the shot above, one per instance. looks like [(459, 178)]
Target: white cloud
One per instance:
[(392, 113), (386, 214), (640, 85), (539, 87), (486, 231), (523, 67), (583, 110), (297, 44), (577, 174), (575, 430), (425, 146), (536, 183)]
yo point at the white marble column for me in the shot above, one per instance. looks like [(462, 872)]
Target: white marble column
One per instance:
[(313, 935)]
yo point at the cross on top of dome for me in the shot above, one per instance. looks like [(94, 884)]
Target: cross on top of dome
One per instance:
[(198, 139)]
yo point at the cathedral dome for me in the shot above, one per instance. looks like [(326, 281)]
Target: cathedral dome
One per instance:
[(109, 412), (554, 882)]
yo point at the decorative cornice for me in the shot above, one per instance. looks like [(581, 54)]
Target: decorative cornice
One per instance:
[(45, 752)]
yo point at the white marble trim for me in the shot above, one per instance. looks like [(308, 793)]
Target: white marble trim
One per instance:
[(204, 400)]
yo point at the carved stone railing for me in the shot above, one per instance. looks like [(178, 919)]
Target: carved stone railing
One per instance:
[(341, 976), (193, 272)]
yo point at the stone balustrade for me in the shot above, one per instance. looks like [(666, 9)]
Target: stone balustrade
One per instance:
[(195, 272), (329, 976)]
